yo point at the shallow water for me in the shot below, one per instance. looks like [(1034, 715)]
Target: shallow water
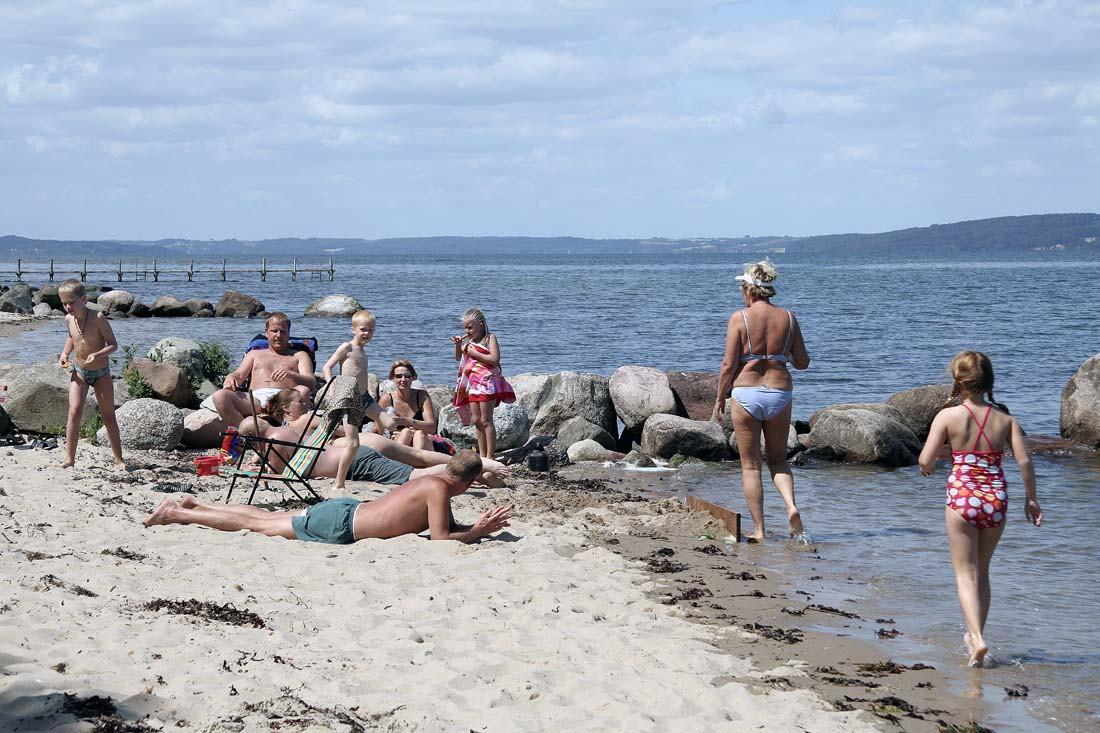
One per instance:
[(872, 329)]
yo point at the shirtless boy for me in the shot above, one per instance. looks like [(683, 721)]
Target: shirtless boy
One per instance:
[(419, 505), (267, 371), (351, 356), (91, 337)]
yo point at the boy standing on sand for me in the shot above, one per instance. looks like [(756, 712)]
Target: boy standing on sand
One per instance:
[(351, 356), (91, 337)]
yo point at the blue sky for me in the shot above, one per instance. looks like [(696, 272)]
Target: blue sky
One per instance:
[(630, 118)]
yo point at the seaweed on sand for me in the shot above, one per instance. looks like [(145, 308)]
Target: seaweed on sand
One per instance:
[(226, 613), (102, 714), (787, 636)]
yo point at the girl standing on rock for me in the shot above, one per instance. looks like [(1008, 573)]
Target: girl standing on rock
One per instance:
[(761, 340), (978, 432), (481, 384)]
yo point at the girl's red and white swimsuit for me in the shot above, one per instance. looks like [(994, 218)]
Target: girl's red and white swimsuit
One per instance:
[(976, 488)]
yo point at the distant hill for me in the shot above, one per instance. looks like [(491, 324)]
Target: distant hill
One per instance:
[(1009, 234)]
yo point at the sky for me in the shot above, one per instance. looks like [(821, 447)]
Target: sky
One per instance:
[(593, 118)]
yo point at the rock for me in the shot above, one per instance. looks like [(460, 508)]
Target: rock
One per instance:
[(203, 429), (530, 390), (577, 429), (48, 294), (116, 301), (38, 398), (9, 372), (206, 388), (139, 310), (237, 305), (184, 353), (18, 299), (200, 308), (588, 450), (42, 310), (556, 453), (638, 392), (571, 394), (167, 306), (510, 421), (1079, 419), (680, 460), (332, 306), (880, 408), (919, 406), (694, 393), (147, 424), (663, 436), (442, 395), (168, 381), (638, 459), (793, 444), (862, 436)]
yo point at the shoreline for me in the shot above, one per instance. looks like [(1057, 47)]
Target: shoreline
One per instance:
[(555, 622), (17, 323)]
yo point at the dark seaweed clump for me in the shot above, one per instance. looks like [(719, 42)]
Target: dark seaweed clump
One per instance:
[(665, 566), (102, 714), (207, 611)]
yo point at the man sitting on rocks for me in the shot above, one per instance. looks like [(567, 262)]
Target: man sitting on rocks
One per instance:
[(266, 371), (421, 504)]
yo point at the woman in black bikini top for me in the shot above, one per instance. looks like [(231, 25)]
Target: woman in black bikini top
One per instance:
[(413, 410)]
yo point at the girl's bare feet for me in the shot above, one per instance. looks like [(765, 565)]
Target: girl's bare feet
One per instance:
[(162, 514), (68, 464)]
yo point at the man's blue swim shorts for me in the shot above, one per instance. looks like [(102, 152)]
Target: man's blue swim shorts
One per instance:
[(329, 522)]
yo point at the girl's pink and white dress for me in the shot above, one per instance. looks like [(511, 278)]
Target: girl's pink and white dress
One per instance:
[(478, 382)]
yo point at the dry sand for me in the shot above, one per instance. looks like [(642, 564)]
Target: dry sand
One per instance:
[(562, 622)]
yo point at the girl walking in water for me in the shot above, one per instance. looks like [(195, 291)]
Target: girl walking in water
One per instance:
[(481, 384), (978, 429)]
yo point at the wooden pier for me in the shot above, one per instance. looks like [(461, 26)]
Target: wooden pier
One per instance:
[(156, 272)]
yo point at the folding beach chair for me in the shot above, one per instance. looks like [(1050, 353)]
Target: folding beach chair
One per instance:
[(307, 449)]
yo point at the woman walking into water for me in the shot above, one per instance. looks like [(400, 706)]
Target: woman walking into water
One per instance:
[(761, 340), (978, 432)]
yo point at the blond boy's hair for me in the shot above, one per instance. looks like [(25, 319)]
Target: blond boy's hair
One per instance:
[(363, 316), (71, 289)]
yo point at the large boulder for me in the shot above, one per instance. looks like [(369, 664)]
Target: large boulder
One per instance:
[(139, 310), (48, 294), (199, 308), (510, 420), (663, 436), (571, 394), (237, 305), (919, 406), (694, 393), (38, 398), (334, 306), (168, 381), (530, 390), (116, 301), (167, 306), (576, 429), (184, 353), (880, 408), (589, 450), (18, 299), (147, 424), (203, 429), (1079, 420), (862, 436), (638, 392), (441, 395)]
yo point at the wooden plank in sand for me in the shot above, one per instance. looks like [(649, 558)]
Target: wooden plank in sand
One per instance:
[(730, 520)]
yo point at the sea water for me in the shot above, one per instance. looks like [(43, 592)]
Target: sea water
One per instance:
[(871, 328)]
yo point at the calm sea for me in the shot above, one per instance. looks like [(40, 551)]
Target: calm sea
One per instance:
[(872, 329)]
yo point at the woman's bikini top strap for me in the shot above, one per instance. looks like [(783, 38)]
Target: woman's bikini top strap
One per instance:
[(781, 357)]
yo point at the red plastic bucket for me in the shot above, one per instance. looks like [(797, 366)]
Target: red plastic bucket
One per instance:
[(208, 465)]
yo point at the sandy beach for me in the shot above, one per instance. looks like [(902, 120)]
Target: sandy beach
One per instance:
[(598, 609)]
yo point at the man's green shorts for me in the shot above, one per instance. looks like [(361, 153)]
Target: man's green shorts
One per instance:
[(329, 521)]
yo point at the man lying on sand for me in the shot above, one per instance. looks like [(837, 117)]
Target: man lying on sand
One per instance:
[(266, 371), (421, 504)]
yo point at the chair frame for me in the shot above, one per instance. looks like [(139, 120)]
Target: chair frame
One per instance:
[(264, 447)]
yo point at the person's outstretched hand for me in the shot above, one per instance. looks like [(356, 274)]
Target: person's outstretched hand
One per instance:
[(1033, 512), (492, 521)]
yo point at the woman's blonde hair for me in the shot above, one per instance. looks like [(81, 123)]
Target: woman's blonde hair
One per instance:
[(402, 363), (477, 315), (972, 373), (764, 273), (274, 410)]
